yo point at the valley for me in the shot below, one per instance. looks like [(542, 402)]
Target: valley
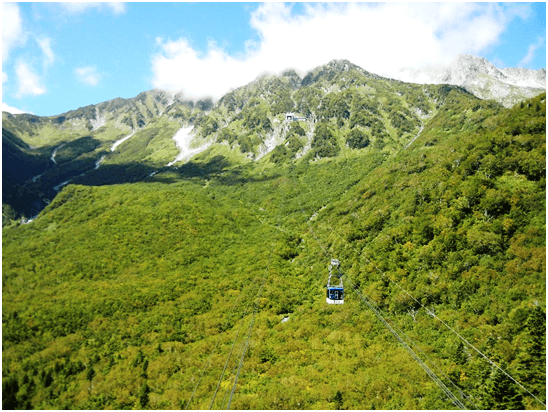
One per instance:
[(178, 253)]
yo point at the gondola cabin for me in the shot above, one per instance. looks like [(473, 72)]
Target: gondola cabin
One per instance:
[(335, 295)]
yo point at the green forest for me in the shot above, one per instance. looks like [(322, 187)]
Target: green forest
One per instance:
[(203, 286)]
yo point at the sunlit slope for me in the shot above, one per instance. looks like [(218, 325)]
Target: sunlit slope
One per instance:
[(121, 140), (162, 273), (341, 109), (134, 295), (454, 230)]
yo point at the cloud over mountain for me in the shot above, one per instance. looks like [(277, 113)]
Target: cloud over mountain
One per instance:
[(378, 37), (28, 81)]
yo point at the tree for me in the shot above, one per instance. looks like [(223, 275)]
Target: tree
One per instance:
[(10, 387), (532, 359), (324, 143), (502, 392), (338, 399), (143, 394), (357, 139)]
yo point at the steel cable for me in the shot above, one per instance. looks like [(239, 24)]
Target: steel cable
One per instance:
[(434, 377), (229, 355), (430, 373), (259, 294), (431, 313)]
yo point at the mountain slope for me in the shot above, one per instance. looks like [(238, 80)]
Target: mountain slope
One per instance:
[(19, 196), (116, 141), (135, 295), (481, 78)]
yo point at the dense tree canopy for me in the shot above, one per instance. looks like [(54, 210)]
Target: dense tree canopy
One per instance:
[(203, 286)]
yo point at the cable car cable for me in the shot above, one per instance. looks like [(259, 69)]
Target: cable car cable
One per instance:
[(434, 377), (235, 339), (212, 352), (228, 357), (425, 367), (252, 322), (227, 320), (245, 347), (431, 313), (463, 395), (228, 388)]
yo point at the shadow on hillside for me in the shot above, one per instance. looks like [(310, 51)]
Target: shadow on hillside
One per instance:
[(85, 171), (218, 168), (29, 175)]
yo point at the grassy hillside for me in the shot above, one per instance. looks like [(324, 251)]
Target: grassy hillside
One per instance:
[(160, 293), (77, 147), (342, 109)]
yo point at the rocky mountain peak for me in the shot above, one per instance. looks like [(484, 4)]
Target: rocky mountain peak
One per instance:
[(341, 65), (331, 70), (293, 77), (480, 77), (466, 65)]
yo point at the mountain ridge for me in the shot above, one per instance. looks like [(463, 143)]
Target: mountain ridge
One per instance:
[(481, 78), (341, 108), (459, 72), (133, 295)]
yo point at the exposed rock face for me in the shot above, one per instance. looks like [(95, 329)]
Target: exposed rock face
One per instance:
[(481, 78), (526, 77)]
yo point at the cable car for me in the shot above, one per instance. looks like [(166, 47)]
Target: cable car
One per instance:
[(335, 293)]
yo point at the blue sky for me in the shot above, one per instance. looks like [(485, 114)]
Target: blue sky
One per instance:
[(58, 57)]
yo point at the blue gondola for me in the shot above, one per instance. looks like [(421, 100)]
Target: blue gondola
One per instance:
[(335, 293)]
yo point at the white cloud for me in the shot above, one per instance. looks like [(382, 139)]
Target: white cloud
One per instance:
[(12, 110), (81, 7), (29, 83), (12, 30), (88, 75), (528, 58), (377, 37), (45, 45)]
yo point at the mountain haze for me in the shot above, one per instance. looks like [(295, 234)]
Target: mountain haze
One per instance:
[(133, 280), (481, 78)]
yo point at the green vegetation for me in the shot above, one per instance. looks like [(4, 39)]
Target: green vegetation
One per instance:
[(130, 291), (357, 139), (324, 143)]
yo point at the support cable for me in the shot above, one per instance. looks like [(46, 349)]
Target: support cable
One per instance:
[(245, 346), (430, 373), (216, 345), (462, 394), (252, 322), (228, 357), (314, 234), (213, 351), (233, 373), (431, 313)]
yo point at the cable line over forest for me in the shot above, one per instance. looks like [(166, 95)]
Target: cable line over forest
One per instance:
[(377, 312), (230, 354), (244, 349), (432, 313), (245, 344), (227, 320)]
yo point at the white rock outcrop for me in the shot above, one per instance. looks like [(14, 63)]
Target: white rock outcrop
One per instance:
[(481, 78)]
